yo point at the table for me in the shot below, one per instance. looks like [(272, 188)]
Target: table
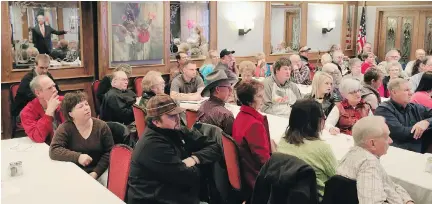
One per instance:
[(47, 181), (406, 168)]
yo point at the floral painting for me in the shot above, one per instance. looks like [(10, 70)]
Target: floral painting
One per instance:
[(136, 33)]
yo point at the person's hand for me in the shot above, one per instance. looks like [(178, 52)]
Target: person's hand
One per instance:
[(196, 97), (93, 174), (334, 130), (189, 162), (84, 159), (282, 99), (419, 128), (52, 105)]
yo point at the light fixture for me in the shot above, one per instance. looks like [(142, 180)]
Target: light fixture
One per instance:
[(330, 26), (245, 27)]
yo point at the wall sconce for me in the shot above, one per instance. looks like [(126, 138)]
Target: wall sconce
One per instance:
[(331, 25), (245, 27)]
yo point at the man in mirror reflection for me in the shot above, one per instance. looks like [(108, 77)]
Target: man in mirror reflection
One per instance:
[(41, 35)]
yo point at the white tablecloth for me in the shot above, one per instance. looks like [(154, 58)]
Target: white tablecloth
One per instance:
[(46, 181), (405, 167)]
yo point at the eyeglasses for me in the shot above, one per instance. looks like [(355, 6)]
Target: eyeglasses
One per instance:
[(229, 87), (354, 92)]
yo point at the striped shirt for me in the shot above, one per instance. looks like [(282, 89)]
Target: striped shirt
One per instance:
[(373, 184)]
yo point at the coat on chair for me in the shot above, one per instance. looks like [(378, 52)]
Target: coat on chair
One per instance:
[(285, 179)]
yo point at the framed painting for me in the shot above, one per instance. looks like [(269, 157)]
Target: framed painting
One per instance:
[(136, 33)]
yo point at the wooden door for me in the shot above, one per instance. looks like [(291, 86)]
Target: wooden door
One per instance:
[(292, 29), (425, 32), (399, 30)]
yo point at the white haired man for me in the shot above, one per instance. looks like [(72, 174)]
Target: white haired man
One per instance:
[(420, 54), (362, 164), (408, 122), (391, 55), (41, 116)]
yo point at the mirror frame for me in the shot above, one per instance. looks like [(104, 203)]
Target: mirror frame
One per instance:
[(86, 69)]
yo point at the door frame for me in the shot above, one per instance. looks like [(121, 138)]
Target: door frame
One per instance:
[(416, 30)]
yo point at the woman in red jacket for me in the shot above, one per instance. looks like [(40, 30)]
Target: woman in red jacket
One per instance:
[(249, 131)]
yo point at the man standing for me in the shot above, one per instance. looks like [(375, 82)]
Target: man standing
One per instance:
[(41, 35), (408, 122), (187, 86), (213, 111), (41, 116), (24, 93), (362, 164), (167, 161)]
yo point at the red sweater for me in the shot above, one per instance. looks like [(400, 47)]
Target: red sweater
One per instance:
[(37, 125), (254, 146), (365, 66)]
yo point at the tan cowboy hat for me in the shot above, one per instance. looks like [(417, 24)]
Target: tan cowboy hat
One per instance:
[(214, 79)]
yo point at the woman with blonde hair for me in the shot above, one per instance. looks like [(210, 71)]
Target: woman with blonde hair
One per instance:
[(322, 87), (152, 84), (210, 62), (246, 69), (262, 69), (394, 70)]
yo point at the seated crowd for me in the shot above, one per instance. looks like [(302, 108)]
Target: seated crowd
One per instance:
[(175, 164)]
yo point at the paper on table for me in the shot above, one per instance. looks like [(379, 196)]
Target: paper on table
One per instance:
[(196, 102)]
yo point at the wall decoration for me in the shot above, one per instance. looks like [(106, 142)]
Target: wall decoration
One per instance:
[(136, 33)]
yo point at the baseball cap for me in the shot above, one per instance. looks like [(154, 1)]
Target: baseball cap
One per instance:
[(226, 52), (304, 49), (162, 104)]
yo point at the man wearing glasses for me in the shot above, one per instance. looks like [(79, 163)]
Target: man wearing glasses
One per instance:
[(24, 93), (213, 111), (117, 103)]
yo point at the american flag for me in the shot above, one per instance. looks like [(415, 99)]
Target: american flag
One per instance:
[(361, 37)]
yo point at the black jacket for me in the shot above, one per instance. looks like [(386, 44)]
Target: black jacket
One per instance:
[(285, 179), (340, 190), (43, 42), (24, 93), (105, 86), (117, 106), (59, 53), (401, 120), (157, 173)]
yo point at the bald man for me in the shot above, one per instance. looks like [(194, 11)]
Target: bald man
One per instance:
[(300, 73), (362, 164), (41, 116), (117, 102), (420, 54)]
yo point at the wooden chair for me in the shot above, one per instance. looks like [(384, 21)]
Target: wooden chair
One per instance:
[(140, 122), (138, 87), (12, 93), (118, 172), (96, 102)]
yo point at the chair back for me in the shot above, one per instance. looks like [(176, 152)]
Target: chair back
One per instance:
[(340, 190), (118, 172), (140, 122), (95, 87), (138, 87), (13, 91), (231, 156), (191, 118)]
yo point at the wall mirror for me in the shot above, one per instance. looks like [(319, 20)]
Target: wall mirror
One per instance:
[(190, 28), (51, 28), (285, 38)]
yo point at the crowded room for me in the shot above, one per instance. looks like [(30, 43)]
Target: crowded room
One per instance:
[(216, 102)]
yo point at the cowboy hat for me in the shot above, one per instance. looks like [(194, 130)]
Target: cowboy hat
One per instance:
[(213, 80)]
